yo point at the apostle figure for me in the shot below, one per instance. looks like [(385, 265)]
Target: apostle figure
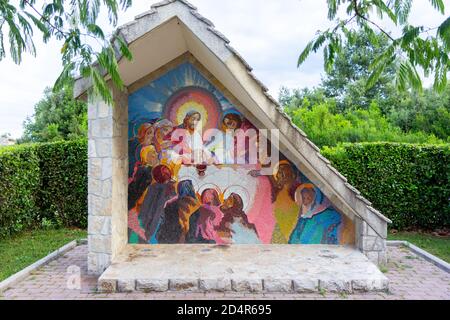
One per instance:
[(203, 224), (318, 221), (283, 214), (162, 140), (235, 227), (151, 209), (175, 223), (143, 139)]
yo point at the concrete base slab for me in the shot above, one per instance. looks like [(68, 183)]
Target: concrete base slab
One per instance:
[(243, 268)]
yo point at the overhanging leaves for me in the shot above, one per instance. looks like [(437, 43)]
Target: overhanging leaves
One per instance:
[(417, 48), (73, 22)]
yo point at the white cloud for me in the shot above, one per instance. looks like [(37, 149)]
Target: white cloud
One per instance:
[(269, 34)]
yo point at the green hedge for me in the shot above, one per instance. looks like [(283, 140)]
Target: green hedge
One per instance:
[(47, 183), (43, 184), (63, 189), (408, 183), (19, 183)]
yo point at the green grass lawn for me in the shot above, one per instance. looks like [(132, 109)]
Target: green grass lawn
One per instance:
[(438, 246), (28, 247)]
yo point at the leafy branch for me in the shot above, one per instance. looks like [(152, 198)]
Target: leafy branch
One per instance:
[(73, 22), (414, 49)]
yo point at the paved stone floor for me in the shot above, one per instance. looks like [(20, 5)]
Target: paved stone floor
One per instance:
[(411, 277)]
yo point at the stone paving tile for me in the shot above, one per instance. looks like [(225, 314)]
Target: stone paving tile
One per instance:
[(411, 277)]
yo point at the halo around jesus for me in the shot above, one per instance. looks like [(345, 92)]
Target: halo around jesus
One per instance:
[(193, 99)]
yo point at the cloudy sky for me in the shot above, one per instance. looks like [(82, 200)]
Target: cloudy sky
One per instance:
[(269, 34)]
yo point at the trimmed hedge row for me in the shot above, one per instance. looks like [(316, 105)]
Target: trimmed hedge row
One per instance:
[(63, 187), (19, 181), (43, 184), (408, 183), (47, 183)]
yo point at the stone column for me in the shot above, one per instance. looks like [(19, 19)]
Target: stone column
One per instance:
[(370, 243), (107, 175)]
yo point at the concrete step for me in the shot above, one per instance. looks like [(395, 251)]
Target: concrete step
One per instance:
[(242, 268)]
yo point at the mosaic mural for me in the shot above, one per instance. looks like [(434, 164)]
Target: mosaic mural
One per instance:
[(173, 201)]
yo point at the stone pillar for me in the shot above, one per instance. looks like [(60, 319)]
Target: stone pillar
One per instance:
[(107, 175), (370, 243)]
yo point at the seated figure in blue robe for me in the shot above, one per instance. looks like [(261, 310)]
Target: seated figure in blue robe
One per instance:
[(318, 221)]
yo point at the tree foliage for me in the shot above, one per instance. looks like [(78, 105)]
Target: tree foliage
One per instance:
[(426, 111), (418, 47), (58, 116), (75, 23), (354, 112), (326, 127), (347, 80)]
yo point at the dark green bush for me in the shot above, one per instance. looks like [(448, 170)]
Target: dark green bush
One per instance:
[(63, 191), (19, 183), (43, 184), (408, 183), (47, 183)]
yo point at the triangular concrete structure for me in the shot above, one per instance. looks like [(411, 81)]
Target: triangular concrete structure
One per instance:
[(171, 33)]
